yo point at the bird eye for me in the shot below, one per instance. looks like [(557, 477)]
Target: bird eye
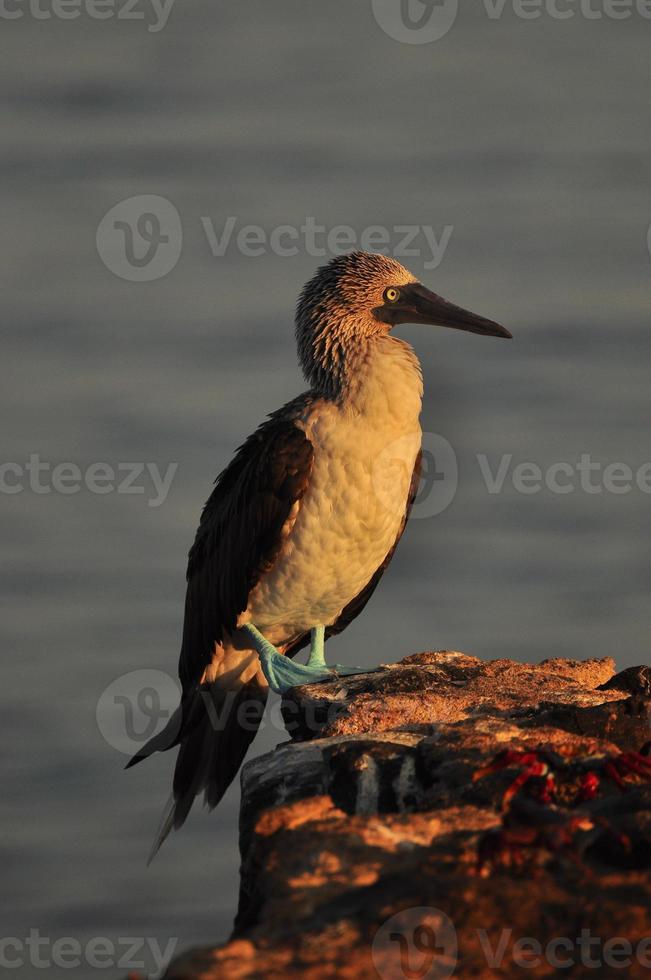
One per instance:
[(392, 295)]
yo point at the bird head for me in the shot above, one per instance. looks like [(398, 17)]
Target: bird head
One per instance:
[(360, 295)]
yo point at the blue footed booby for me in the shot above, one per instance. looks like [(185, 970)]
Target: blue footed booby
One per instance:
[(302, 523)]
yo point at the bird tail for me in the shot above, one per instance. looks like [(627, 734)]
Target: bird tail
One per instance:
[(214, 726)]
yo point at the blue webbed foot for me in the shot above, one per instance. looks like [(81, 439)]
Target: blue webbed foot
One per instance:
[(282, 673)]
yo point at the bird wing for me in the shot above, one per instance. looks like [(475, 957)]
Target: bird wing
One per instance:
[(241, 533), (355, 606)]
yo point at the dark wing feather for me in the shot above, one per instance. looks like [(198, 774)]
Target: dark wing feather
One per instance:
[(355, 606), (239, 535)]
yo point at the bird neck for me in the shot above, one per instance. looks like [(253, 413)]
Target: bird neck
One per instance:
[(373, 375), (386, 385), (329, 349)]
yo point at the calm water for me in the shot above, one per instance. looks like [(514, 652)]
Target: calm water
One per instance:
[(530, 139)]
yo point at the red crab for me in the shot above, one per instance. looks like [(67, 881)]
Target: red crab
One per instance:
[(546, 767)]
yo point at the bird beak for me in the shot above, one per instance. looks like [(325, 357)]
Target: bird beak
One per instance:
[(418, 305)]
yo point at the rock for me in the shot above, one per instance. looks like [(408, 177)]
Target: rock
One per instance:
[(636, 680), (448, 815), (445, 686)]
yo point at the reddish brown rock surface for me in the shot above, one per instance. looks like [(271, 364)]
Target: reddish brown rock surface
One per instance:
[(380, 842)]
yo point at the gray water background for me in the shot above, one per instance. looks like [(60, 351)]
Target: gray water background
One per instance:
[(530, 138)]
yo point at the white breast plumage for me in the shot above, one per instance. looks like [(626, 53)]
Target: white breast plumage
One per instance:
[(350, 517)]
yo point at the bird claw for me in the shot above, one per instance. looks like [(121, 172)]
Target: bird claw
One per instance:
[(341, 670), (283, 674)]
